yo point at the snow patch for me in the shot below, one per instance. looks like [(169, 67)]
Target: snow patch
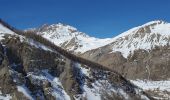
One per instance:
[(23, 89), (57, 89), (151, 85), (162, 88), (97, 88), (5, 97), (38, 45)]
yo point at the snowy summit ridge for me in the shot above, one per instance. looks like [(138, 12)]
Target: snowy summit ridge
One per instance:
[(70, 38), (147, 36)]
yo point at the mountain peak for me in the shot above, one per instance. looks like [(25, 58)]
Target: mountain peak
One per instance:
[(155, 22), (58, 26), (157, 26), (70, 38), (146, 36)]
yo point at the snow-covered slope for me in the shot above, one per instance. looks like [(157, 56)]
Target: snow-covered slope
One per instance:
[(147, 36), (3, 29), (159, 89), (70, 38)]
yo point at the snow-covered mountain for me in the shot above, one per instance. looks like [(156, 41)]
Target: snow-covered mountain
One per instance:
[(141, 53), (32, 68), (147, 36), (70, 38)]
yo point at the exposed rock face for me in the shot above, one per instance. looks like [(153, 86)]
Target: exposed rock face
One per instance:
[(25, 67), (102, 56), (141, 64), (152, 65), (19, 59), (7, 85)]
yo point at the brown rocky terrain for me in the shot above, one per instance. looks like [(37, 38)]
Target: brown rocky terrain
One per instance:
[(142, 64)]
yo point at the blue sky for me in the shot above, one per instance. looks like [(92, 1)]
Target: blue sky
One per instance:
[(99, 18)]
